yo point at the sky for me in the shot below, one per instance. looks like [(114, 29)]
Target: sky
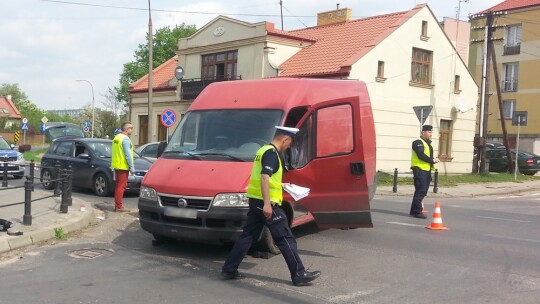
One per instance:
[(47, 45)]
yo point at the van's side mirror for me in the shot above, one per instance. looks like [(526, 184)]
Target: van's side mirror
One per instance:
[(12, 146), (161, 147)]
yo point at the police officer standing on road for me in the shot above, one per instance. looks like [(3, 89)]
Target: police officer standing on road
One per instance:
[(265, 196), (122, 163), (422, 162)]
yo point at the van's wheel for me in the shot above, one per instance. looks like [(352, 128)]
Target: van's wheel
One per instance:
[(101, 185), (161, 240), (266, 243), (46, 176)]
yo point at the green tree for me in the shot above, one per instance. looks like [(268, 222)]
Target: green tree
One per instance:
[(164, 46)]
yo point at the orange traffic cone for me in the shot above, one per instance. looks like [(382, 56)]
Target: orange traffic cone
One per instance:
[(436, 223)]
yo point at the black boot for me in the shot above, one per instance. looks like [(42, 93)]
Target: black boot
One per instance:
[(305, 278)]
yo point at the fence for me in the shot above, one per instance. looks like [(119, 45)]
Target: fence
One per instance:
[(31, 139), (62, 177)]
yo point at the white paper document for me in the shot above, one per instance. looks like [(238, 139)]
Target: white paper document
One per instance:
[(297, 192)]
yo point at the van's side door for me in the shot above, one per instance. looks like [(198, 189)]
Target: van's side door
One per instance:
[(327, 156)]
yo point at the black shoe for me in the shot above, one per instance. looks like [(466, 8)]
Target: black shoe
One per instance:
[(419, 215), (235, 275), (306, 278)]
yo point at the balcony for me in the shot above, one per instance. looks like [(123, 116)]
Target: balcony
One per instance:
[(512, 49), (509, 85), (191, 88)]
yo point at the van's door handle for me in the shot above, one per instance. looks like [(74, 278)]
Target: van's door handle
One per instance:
[(358, 168)]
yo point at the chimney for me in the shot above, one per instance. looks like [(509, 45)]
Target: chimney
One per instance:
[(8, 97), (335, 16)]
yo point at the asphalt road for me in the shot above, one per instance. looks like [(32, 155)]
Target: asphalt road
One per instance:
[(488, 255)]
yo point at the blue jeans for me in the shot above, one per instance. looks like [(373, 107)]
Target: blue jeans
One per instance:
[(422, 179)]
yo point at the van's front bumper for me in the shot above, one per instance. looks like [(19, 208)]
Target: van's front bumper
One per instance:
[(13, 167), (216, 224)]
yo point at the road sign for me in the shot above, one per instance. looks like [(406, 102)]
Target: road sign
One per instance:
[(44, 119), (168, 117), (117, 130), (519, 118), (25, 120), (422, 112), (86, 129), (25, 126), (86, 124), (42, 128), (16, 136)]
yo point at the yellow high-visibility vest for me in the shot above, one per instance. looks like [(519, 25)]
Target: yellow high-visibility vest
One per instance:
[(118, 156), (254, 187), (417, 162)]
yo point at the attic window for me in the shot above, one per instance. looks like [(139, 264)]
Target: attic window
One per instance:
[(380, 72), (4, 111), (423, 34)]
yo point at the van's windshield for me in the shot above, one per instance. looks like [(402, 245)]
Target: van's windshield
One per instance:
[(223, 135)]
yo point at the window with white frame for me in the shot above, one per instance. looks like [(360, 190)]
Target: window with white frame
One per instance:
[(510, 76), (512, 39), (509, 106)]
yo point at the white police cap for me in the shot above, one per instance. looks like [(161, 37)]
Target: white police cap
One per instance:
[(286, 131)]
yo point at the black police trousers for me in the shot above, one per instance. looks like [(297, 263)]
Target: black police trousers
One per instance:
[(422, 179), (281, 233)]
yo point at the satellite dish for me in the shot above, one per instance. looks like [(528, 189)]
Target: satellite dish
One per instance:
[(179, 73)]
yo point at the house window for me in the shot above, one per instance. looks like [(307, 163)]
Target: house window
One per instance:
[(421, 66), (380, 72), (510, 77), (445, 138), (424, 28), (219, 65), (509, 106), (456, 84), (512, 39)]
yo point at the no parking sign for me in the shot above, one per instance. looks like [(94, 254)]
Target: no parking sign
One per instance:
[(168, 118)]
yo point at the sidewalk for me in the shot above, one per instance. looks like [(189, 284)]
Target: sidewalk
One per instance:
[(466, 190), (45, 218)]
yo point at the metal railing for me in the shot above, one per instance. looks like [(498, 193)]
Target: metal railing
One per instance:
[(62, 177)]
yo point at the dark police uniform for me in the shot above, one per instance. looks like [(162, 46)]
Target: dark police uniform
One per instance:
[(421, 164), (278, 225)]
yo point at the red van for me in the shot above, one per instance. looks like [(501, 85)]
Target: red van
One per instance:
[(196, 190)]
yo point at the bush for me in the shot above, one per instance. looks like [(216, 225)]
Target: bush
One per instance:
[(24, 148)]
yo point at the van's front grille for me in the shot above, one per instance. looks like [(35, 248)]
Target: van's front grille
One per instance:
[(198, 203)]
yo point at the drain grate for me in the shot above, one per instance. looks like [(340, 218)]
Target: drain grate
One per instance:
[(90, 253)]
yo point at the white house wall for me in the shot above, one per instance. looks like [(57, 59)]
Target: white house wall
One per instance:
[(396, 123)]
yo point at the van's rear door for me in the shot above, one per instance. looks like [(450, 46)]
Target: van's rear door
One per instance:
[(335, 157)]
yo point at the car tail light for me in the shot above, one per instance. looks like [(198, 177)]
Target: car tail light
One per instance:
[(530, 161)]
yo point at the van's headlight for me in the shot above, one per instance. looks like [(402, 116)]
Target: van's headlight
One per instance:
[(20, 156), (148, 193), (230, 200)]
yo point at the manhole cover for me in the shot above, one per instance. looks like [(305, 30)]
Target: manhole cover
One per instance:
[(90, 253)]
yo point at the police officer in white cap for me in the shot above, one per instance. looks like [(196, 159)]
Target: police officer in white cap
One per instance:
[(265, 196)]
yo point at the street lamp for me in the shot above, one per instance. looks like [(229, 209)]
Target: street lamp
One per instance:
[(93, 105)]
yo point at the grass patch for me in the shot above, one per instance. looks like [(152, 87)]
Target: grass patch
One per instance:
[(386, 179), (60, 234), (34, 154)]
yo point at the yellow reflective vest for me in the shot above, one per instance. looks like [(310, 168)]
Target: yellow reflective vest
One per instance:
[(254, 187), (417, 162), (118, 160)]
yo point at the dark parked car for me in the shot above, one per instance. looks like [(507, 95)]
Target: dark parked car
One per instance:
[(90, 159), (528, 163)]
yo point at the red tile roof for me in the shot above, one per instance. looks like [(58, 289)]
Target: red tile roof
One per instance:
[(512, 5), (339, 46), (6, 105), (160, 77)]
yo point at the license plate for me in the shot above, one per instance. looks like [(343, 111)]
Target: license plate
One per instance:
[(181, 212)]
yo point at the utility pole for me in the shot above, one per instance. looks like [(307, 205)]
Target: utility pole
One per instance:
[(281, 7), (479, 163), (150, 68)]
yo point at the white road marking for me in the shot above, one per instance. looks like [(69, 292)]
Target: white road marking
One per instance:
[(406, 224), (512, 238), (502, 219)]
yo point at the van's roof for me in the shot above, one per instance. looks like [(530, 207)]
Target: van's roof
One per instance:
[(276, 93)]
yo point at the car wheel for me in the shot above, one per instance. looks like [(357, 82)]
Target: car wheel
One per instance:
[(18, 176), (101, 185), (46, 176), (266, 242)]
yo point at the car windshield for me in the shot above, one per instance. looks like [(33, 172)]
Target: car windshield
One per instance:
[(227, 135), (4, 144)]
